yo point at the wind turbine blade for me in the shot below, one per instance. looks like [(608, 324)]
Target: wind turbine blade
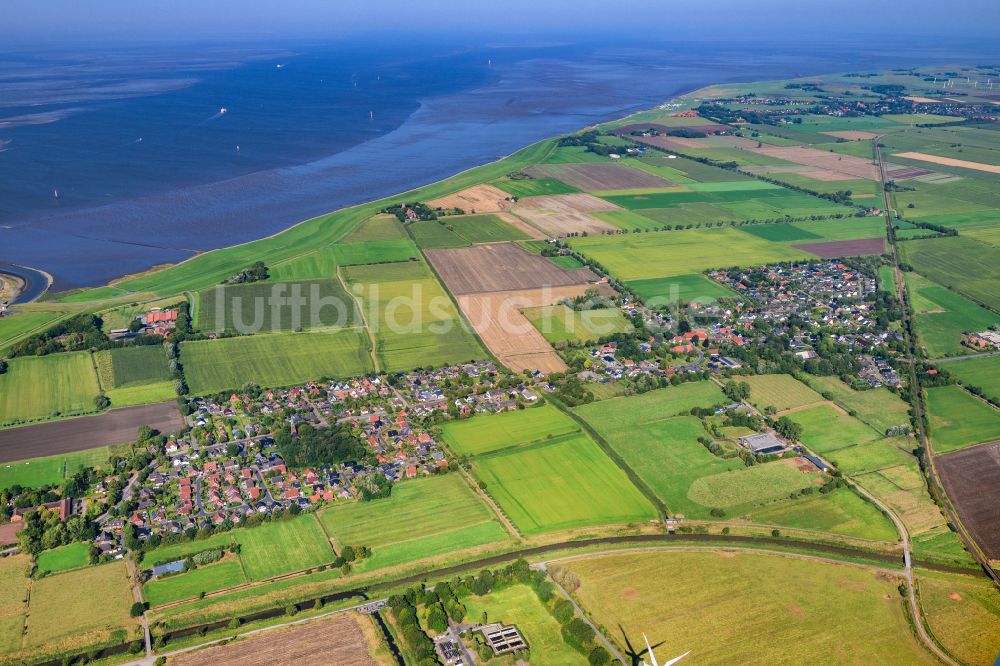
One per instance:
[(652, 657), (676, 659)]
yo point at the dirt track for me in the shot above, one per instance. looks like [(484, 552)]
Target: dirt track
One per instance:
[(115, 427)]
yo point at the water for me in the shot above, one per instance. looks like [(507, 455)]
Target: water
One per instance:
[(113, 162)]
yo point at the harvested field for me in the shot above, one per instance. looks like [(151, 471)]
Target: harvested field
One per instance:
[(855, 167), (852, 135), (846, 248), (521, 225), (949, 161), (971, 477), (897, 172), (512, 338), (476, 199), (8, 532), (117, 426), (562, 214), (501, 267), (336, 640), (597, 177)]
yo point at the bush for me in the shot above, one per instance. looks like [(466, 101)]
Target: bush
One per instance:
[(599, 657), (562, 611), (138, 608)]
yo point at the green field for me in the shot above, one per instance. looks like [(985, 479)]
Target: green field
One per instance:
[(825, 429), (878, 407), (274, 360), (38, 387), (754, 485), (142, 394), (761, 201), (669, 253), (838, 512), (793, 600), (16, 325), (982, 372), (430, 517), (780, 392), (64, 558), (962, 613), (283, 546), (13, 595), (959, 419), (534, 187), (377, 228), (484, 434), (678, 289), (586, 488), (51, 470), (964, 264), (207, 578), (463, 230), (414, 321), (558, 323), (266, 551), (131, 365), (887, 278), (621, 413), (323, 263), (520, 606), (262, 307), (941, 316)]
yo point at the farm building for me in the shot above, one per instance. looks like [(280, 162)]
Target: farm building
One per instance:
[(764, 443), (503, 639)]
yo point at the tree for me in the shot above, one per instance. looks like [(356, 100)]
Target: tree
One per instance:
[(599, 657), (102, 402), (562, 611), (737, 391), (138, 608), (436, 619)]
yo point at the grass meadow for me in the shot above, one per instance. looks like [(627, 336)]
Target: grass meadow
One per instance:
[(878, 407), (825, 429), (558, 323), (669, 253), (249, 307), (964, 264), (963, 614), (959, 419), (50, 470), (679, 289), (207, 578), (429, 517), (274, 360), (780, 392), (942, 316), (36, 387), (64, 558), (982, 372), (793, 600), (492, 432), (587, 490)]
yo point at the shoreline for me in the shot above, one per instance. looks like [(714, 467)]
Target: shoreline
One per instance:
[(34, 282)]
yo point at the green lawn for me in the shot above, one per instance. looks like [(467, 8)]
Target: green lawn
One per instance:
[(430, 517), (484, 434), (377, 228), (669, 253), (519, 605), (37, 387), (142, 394), (51, 470), (13, 326), (558, 323), (72, 556), (825, 429), (566, 483), (207, 578), (982, 372), (780, 392), (274, 360), (323, 263), (959, 419)]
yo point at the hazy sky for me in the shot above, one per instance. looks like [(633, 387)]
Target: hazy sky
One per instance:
[(45, 22)]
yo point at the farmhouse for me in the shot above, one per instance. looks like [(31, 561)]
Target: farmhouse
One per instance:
[(764, 443)]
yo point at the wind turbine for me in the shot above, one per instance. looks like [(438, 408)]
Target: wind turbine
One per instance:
[(652, 656)]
